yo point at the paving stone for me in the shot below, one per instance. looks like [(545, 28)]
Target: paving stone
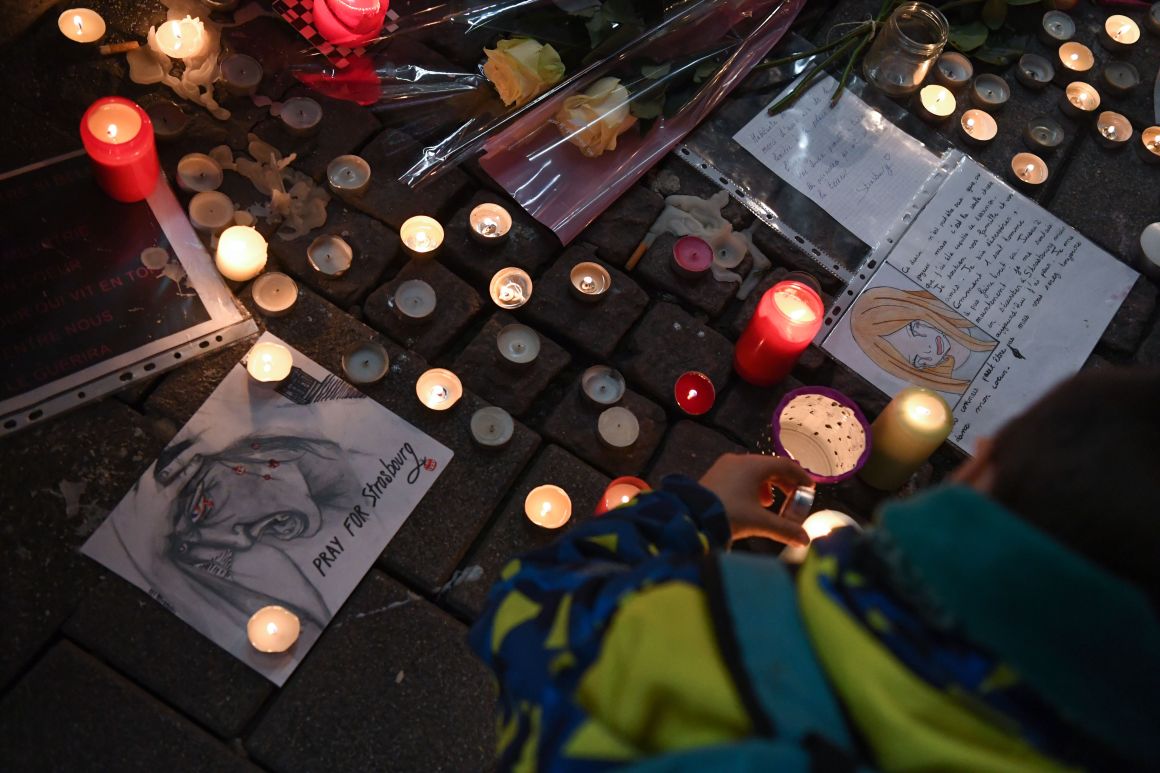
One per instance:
[(390, 154), (784, 254), (869, 398), (391, 685), (669, 342), (1149, 352), (181, 392), (529, 245), (70, 712), (1130, 324), (674, 177), (376, 248), (618, 231), (31, 136), (157, 650), (1144, 55), (572, 424), (512, 387), (746, 410), (690, 449), (512, 533), (596, 328), (455, 305), (706, 293), (60, 479)]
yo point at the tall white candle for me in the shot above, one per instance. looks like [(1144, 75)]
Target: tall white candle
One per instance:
[(241, 253)]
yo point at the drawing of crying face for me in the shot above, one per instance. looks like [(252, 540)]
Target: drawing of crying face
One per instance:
[(921, 344)]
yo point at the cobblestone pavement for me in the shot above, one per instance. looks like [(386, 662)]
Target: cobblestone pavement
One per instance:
[(96, 676)]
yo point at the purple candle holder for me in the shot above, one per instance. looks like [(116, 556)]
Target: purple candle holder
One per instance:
[(824, 431)]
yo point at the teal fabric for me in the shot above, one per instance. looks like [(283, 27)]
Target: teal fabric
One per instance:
[(752, 756), (1084, 639)]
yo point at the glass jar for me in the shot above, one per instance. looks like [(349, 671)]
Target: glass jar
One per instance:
[(906, 48)]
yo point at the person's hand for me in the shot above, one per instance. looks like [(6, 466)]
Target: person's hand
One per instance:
[(742, 483)]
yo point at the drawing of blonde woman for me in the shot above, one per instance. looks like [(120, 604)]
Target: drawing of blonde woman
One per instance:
[(914, 336)]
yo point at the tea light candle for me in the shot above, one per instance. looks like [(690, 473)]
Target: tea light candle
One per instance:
[(1057, 27), (1149, 146), (904, 435), (618, 427), (211, 212), (241, 74), (692, 257), (518, 344), (1113, 130), (1153, 20), (978, 127), (589, 281), (438, 389), (1119, 34), (273, 629), (182, 38), (1120, 78), (1079, 100), (1074, 60), (169, 120), (301, 116), (81, 25), (118, 137), (620, 491), (492, 427), (935, 103), (1150, 251), (787, 318), (694, 393), (1043, 134), (990, 92), (197, 172), (816, 526), (241, 253), (274, 293), (510, 288), (548, 506), (422, 236), (330, 255), (365, 363), (1034, 71), (414, 299), (269, 363), (953, 70), (602, 385), (823, 430), (1029, 170), (348, 174), (490, 223)]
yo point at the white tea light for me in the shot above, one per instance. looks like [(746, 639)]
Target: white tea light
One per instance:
[(81, 25), (953, 70), (168, 119), (492, 427), (348, 174), (548, 506), (197, 172), (510, 288), (211, 212), (269, 363), (518, 344), (602, 385), (240, 74), (818, 525), (330, 255), (274, 293), (1034, 71), (1043, 134), (422, 236), (490, 223), (990, 92), (1149, 145), (590, 281), (1113, 130), (414, 299), (618, 427), (301, 116), (978, 127), (1119, 34), (438, 389), (182, 38), (1079, 100), (1029, 170), (1120, 78), (273, 629), (935, 103), (241, 253), (365, 363), (1057, 27)]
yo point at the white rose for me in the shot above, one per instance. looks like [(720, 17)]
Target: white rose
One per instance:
[(593, 120), (521, 69)]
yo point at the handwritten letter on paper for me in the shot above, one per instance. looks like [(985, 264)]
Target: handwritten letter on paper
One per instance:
[(849, 160)]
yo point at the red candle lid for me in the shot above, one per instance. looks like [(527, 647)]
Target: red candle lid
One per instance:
[(694, 393), (693, 254)]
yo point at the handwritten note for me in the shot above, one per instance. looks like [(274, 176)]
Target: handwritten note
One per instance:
[(848, 159)]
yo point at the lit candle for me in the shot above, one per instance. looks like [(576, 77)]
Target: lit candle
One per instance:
[(348, 174), (365, 363), (182, 38), (1034, 71), (169, 120), (1113, 130), (1029, 170), (823, 430), (1079, 100), (241, 253), (548, 506), (492, 427), (510, 288), (1119, 34), (1043, 134), (990, 92), (787, 318), (518, 344), (1150, 251), (414, 300), (816, 526), (330, 255), (438, 389), (590, 281), (694, 393), (620, 491), (198, 172), (241, 74), (911, 427), (1120, 78), (602, 385), (489, 223), (118, 136), (1074, 60), (422, 236), (274, 293), (953, 70), (1057, 27), (692, 257), (273, 629), (269, 363), (81, 25), (935, 103), (301, 116), (350, 23), (978, 127), (1153, 20), (1149, 145), (211, 212), (618, 427)]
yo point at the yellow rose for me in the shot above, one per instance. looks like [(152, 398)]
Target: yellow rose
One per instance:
[(521, 69), (593, 120)]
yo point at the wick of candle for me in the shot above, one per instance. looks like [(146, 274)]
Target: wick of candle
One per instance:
[(1027, 170), (488, 227), (970, 123), (545, 508), (1074, 57), (587, 284), (1124, 30), (112, 131), (80, 24), (271, 628), (692, 394)]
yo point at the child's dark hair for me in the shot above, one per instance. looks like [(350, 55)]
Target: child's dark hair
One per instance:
[(1083, 464)]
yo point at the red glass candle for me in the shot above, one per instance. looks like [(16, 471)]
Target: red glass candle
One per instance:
[(118, 136), (620, 492), (350, 23), (694, 393), (788, 317), (692, 256)]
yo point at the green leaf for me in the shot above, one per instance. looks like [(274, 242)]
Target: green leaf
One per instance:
[(994, 13), (968, 37), (704, 70), (656, 71), (647, 109)]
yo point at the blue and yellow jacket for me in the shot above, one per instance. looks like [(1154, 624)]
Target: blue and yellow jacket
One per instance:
[(954, 636)]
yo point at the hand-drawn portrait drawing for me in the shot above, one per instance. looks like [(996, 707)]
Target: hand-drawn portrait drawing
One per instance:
[(914, 336)]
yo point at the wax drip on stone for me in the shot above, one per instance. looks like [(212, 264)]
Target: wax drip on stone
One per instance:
[(695, 216)]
